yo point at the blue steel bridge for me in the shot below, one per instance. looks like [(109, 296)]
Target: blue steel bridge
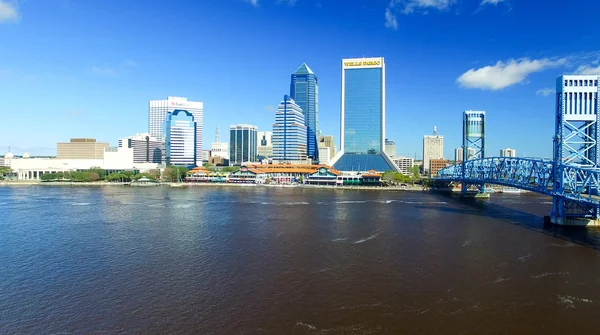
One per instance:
[(571, 178)]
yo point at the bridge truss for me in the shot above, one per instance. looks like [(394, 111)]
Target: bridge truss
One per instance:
[(578, 194)]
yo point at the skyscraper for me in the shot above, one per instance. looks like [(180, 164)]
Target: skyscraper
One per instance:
[(289, 132), (304, 89), (433, 148), (363, 117), (242, 144), (158, 109), (180, 138)]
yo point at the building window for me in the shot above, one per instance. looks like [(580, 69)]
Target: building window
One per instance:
[(595, 83), (570, 83)]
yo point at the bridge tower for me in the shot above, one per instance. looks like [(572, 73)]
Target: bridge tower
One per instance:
[(575, 142), (473, 142)]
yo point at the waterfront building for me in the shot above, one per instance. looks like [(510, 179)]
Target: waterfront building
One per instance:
[(304, 90), (81, 148), (146, 148), (265, 144), (436, 165), (289, 132), (180, 138), (404, 164), (508, 152), (363, 117), (242, 144), (390, 148), (433, 148), (158, 110)]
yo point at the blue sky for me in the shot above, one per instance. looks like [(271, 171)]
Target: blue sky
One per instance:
[(83, 68)]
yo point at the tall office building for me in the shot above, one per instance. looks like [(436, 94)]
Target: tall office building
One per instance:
[(304, 89), (363, 117), (180, 138), (146, 148), (433, 148), (158, 110), (81, 148), (265, 144), (508, 152), (390, 148), (242, 144), (289, 132)]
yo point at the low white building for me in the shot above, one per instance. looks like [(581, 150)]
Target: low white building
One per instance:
[(114, 159), (508, 152), (324, 155), (34, 168)]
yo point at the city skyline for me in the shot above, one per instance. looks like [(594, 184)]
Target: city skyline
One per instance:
[(497, 67)]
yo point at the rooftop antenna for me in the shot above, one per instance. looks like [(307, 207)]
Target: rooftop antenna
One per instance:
[(217, 137), (434, 130)]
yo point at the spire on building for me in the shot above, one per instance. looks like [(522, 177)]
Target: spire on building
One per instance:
[(217, 137), (304, 69), (434, 130)]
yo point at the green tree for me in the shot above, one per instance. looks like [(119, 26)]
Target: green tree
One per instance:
[(230, 169)]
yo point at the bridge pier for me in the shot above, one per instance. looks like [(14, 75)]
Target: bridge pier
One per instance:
[(572, 221)]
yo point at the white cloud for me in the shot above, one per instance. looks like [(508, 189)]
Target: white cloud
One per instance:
[(390, 19), (505, 74), (8, 12), (587, 69), (411, 6), (252, 2), (491, 2), (545, 92)]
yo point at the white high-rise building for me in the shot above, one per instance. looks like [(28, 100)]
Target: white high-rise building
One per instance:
[(289, 132), (433, 148), (159, 108), (458, 154), (508, 152)]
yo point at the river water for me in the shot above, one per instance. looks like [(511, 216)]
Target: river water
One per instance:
[(260, 260)]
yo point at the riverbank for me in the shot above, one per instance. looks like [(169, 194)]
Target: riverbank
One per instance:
[(102, 183)]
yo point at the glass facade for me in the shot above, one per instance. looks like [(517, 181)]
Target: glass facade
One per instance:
[(363, 111), (304, 89), (180, 138), (242, 144)]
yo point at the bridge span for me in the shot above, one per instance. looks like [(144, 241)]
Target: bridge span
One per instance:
[(579, 190)]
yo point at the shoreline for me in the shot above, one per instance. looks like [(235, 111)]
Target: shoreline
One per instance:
[(103, 184)]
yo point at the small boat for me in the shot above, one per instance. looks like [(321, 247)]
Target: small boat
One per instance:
[(144, 182), (177, 185)]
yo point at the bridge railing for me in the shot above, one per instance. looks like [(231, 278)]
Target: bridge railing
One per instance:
[(581, 184)]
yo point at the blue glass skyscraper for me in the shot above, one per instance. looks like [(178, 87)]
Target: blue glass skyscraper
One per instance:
[(180, 138), (304, 89), (363, 117)]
